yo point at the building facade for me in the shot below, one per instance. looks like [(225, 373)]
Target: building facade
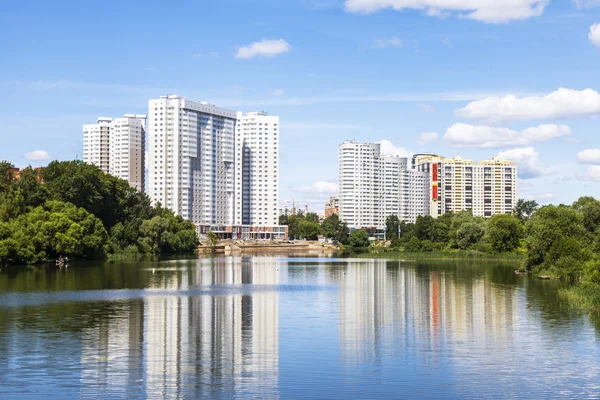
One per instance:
[(374, 186), (96, 143), (359, 189), (191, 159), (257, 169), (487, 187), (117, 147), (332, 206)]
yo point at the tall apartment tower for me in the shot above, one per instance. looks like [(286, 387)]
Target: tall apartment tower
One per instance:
[(191, 159), (359, 189), (96, 143), (257, 169), (127, 149), (487, 187), (374, 186), (117, 147)]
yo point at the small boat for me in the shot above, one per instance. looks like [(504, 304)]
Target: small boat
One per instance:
[(544, 277), (521, 272)]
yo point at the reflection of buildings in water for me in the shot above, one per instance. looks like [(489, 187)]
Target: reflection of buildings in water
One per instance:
[(111, 355), (219, 344), (384, 303)]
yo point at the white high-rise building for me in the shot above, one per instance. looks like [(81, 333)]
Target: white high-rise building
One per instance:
[(191, 159), (127, 148), (257, 169), (360, 192), (96, 143), (414, 191), (117, 147), (374, 186)]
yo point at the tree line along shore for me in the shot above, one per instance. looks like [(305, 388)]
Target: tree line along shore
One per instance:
[(72, 209), (555, 241)]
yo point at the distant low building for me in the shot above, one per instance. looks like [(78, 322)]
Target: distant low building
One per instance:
[(244, 232), (332, 206)]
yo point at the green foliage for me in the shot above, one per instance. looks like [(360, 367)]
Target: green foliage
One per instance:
[(333, 228), (525, 209), (67, 208), (311, 217), (212, 239), (504, 233), (308, 230), (48, 232), (468, 234), (359, 238), (556, 236), (590, 208), (392, 225)]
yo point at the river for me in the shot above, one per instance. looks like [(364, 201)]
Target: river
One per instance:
[(291, 327)]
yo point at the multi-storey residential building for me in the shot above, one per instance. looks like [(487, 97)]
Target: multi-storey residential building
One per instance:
[(414, 190), (191, 159), (117, 147), (96, 143), (332, 206), (374, 186), (487, 187), (127, 149), (360, 193), (256, 169)]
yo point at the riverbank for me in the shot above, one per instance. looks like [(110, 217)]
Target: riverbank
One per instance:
[(267, 247)]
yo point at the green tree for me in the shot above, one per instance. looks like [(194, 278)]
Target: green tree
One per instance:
[(392, 226), (312, 217), (359, 238), (524, 209), (590, 208), (555, 236), (469, 234), (212, 239), (308, 230), (333, 228), (504, 233), (6, 176)]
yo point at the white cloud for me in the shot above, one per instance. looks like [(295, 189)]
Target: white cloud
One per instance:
[(388, 149), (488, 137), (594, 34), (277, 92), (560, 104), (589, 156), (586, 3), (591, 174), (491, 11), (319, 187), (528, 163), (38, 155), (426, 107), (321, 126), (427, 137), (542, 198), (391, 42), (265, 48)]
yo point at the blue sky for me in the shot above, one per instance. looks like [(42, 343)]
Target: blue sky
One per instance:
[(368, 70)]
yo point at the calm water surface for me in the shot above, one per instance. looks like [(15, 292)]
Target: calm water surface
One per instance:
[(279, 327)]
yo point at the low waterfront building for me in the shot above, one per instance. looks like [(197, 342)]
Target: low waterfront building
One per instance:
[(244, 232)]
